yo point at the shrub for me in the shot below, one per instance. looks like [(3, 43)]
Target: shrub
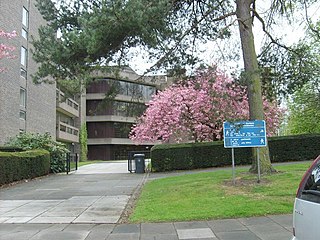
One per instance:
[(58, 151), (169, 157), (16, 166), (83, 143)]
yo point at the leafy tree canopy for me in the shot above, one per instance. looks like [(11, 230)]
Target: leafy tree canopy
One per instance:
[(195, 109), (286, 70), (304, 108)]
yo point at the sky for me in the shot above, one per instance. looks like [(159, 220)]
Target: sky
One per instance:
[(213, 52)]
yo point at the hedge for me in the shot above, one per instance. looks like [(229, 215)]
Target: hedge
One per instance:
[(15, 166), (169, 157)]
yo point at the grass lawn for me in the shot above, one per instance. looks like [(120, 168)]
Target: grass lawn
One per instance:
[(212, 195)]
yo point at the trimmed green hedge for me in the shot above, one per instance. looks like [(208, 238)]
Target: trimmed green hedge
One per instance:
[(169, 157), (15, 166)]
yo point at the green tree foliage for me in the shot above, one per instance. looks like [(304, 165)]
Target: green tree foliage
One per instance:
[(304, 108), (98, 32), (83, 143), (287, 69), (284, 71), (30, 141)]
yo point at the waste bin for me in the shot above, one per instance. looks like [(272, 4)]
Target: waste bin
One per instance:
[(139, 162)]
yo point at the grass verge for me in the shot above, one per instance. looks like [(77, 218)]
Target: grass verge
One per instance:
[(212, 195)]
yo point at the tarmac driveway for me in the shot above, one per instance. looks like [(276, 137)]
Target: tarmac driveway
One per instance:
[(96, 193)]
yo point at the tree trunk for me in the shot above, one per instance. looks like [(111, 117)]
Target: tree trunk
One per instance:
[(253, 79)]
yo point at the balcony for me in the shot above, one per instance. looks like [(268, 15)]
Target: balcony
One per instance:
[(67, 106), (111, 118), (67, 133)]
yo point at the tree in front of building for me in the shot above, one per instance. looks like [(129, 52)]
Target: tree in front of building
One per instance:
[(95, 33), (196, 109), (5, 49)]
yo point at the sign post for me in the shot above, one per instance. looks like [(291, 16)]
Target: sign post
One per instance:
[(233, 167), (245, 134)]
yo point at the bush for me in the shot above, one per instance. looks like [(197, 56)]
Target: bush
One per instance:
[(169, 157), (83, 143), (10, 149), (58, 151), (16, 166)]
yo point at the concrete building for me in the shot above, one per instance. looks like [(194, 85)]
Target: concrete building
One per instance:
[(109, 120), (25, 106), (41, 108)]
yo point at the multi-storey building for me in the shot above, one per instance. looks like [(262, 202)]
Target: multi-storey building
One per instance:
[(41, 108), (112, 107), (25, 106), (67, 120)]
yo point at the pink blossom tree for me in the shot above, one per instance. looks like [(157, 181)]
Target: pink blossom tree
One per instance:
[(196, 109), (6, 50)]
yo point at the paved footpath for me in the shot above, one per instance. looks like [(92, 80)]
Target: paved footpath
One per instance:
[(88, 205)]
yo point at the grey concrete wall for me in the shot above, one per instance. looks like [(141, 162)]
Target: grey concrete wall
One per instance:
[(10, 19), (41, 100), (40, 103)]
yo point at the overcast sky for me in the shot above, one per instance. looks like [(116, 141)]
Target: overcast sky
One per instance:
[(213, 52)]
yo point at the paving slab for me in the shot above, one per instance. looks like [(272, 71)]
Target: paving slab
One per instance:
[(87, 205), (196, 233), (61, 235), (157, 228), (191, 225), (237, 235), (127, 228), (226, 225), (159, 237), (122, 236)]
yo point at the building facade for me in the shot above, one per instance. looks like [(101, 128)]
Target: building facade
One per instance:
[(112, 107), (45, 108), (25, 106)]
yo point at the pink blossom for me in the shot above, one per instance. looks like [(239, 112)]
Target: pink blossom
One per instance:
[(6, 50), (196, 109)]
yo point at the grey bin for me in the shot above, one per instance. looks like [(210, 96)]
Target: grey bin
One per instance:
[(139, 162)]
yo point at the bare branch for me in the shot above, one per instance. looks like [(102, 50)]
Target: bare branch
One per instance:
[(309, 22), (162, 59), (273, 40)]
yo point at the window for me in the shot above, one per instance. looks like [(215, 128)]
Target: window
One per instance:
[(310, 189), (23, 73), (23, 115), (23, 56), (25, 17), (23, 97), (24, 34)]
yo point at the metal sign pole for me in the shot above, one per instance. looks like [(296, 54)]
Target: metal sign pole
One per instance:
[(233, 167), (258, 161)]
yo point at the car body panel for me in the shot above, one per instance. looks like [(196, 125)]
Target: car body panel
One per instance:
[(306, 213), (306, 220)]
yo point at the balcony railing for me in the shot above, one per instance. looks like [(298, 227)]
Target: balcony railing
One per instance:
[(67, 133), (67, 105)]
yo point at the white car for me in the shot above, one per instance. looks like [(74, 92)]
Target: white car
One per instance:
[(306, 212)]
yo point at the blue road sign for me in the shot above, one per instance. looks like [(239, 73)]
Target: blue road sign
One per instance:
[(245, 134)]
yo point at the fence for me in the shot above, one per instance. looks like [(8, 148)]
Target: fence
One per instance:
[(72, 162)]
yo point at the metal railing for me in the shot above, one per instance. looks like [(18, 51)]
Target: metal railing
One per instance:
[(72, 162)]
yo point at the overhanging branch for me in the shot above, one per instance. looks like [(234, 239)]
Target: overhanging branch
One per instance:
[(186, 33)]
